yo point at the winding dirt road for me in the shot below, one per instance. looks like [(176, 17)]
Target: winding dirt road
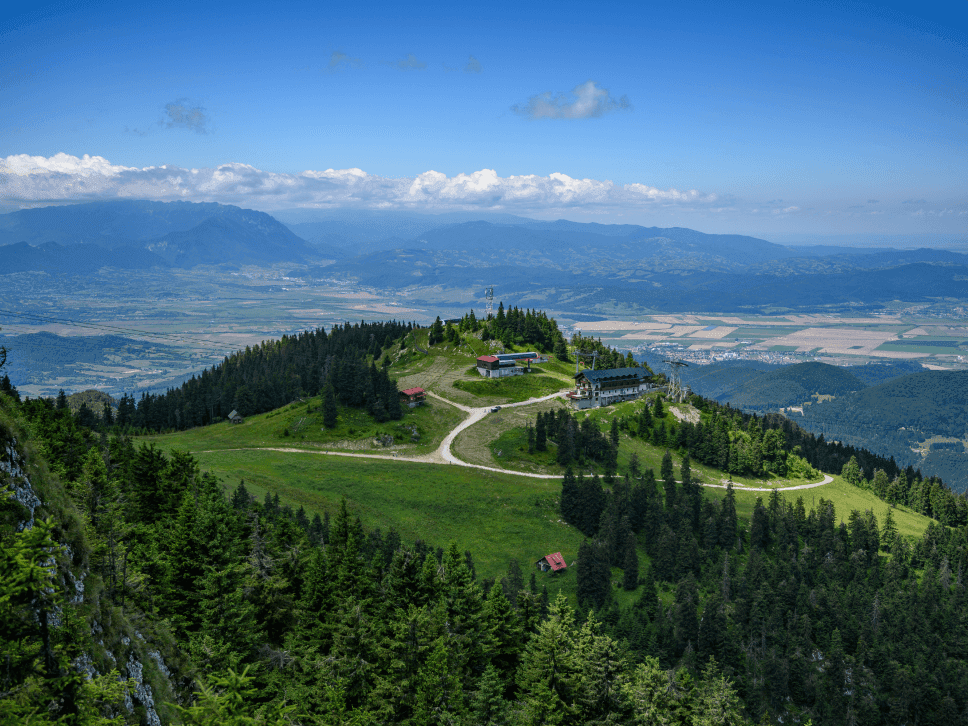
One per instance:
[(443, 454)]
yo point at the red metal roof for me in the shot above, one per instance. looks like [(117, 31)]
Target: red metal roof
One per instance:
[(556, 561), (413, 391), (488, 358)]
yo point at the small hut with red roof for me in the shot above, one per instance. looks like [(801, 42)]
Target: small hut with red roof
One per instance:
[(414, 396), (554, 562)]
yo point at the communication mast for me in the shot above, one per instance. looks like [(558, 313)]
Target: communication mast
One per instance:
[(676, 391), (578, 356), (488, 302)]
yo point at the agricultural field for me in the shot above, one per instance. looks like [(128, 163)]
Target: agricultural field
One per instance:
[(836, 339)]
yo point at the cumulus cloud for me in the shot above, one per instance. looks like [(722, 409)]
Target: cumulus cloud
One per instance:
[(473, 65), (179, 115), (31, 179), (340, 60), (410, 63), (585, 101)]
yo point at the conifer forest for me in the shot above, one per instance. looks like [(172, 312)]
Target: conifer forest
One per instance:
[(135, 587)]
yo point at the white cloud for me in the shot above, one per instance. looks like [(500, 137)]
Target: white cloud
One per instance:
[(182, 116), (586, 101), (340, 60), (65, 178), (410, 63)]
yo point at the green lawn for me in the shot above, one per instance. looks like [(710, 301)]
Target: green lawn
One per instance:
[(495, 516), (301, 425), (511, 389), (449, 370)]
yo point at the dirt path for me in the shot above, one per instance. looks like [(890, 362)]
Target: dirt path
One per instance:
[(443, 454), (827, 479)]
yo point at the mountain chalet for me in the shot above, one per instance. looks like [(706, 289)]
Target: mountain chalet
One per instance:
[(506, 364), (600, 388)]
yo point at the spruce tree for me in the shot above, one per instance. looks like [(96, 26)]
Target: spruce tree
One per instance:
[(488, 707), (540, 434), (503, 632), (630, 564), (330, 411)]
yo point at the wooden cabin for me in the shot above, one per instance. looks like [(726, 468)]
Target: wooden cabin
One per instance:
[(553, 562), (414, 396)]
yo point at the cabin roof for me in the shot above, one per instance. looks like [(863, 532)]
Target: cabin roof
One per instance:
[(607, 375), (488, 358), (412, 391), (556, 561)]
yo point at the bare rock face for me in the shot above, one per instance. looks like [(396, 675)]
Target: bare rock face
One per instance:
[(14, 477), (13, 468)]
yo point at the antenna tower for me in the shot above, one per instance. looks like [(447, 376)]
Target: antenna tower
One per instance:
[(676, 391), (488, 302), (587, 354)]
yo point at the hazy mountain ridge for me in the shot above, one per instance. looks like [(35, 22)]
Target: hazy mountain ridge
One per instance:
[(901, 417), (646, 268), (82, 238)]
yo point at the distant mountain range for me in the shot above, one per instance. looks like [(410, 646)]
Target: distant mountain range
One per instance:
[(82, 238), (917, 416), (643, 268)]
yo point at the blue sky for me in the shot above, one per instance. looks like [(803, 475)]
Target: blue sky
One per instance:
[(754, 118)]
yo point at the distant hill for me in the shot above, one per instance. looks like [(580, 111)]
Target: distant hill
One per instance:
[(898, 409), (921, 419), (82, 238), (249, 238), (795, 384), (772, 388)]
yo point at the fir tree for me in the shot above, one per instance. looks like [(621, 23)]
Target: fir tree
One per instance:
[(630, 565), (541, 434)]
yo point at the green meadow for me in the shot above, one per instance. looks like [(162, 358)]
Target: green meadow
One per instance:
[(300, 425), (497, 516)]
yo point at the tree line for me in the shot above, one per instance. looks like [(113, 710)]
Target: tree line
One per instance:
[(299, 619), (810, 616)]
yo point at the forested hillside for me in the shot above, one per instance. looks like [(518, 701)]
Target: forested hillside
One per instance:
[(922, 419), (770, 388), (169, 579), (275, 373), (786, 616)]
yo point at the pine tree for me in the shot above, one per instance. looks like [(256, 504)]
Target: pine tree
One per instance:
[(728, 519), (503, 631), (439, 699), (549, 669), (594, 575), (436, 332), (630, 565), (541, 434), (488, 707), (330, 411)]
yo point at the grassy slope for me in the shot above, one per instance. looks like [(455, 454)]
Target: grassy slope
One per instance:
[(495, 516), (355, 430), (447, 363)]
